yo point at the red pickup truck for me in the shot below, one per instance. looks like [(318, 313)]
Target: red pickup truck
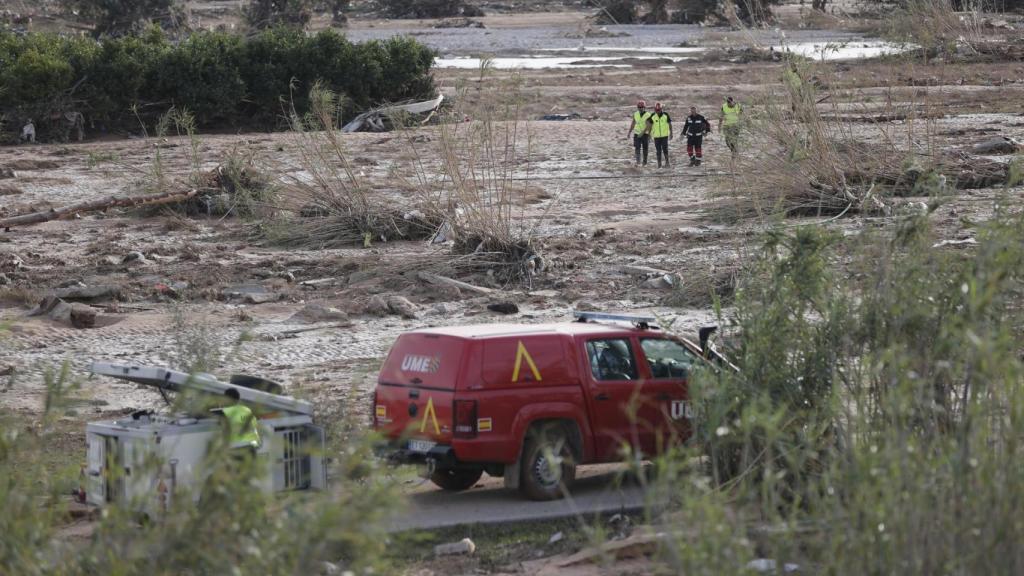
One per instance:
[(530, 402)]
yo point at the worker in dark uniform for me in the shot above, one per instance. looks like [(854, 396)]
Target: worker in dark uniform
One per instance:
[(696, 127), (640, 130), (661, 131)]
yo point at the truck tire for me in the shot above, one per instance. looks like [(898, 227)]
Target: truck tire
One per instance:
[(542, 478), (456, 480)]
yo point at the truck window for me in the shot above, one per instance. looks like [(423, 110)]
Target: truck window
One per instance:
[(612, 359), (667, 358)]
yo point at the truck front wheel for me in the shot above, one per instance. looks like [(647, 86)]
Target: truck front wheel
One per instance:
[(548, 466), (456, 480)]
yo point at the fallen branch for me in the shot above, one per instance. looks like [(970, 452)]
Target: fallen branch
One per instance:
[(464, 286), (95, 206)]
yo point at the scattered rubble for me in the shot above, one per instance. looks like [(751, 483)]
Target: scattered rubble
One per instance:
[(75, 315), (379, 119), (464, 546), (770, 566), (997, 145), (503, 307), (79, 291), (315, 312)]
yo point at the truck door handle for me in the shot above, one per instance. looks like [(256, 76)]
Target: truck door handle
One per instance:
[(602, 396)]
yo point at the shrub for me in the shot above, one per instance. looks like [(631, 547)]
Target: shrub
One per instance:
[(261, 14), (429, 8), (224, 80), (120, 17)]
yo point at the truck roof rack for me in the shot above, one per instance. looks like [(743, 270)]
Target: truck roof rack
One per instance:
[(643, 322), (175, 381)]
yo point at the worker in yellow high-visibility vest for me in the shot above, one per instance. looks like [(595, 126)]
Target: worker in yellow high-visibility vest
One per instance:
[(730, 120), (640, 131), (661, 131), (243, 431)]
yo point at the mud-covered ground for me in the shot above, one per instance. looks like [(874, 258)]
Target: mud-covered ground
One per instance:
[(597, 220)]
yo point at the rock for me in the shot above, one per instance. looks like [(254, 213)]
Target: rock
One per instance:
[(661, 282), (361, 276), (6, 370), (330, 569), (11, 262), (768, 566), (503, 307), (464, 546), (241, 290), (315, 312), (83, 316), (82, 292), (543, 294), (6, 172), (446, 291), (642, 271), (260, 297), (4, 280), (556, 537), (377, 306), (587, 306), (134, 258), (76, 315), (110, 261), (443, 309), (402, 306), (997, 145)]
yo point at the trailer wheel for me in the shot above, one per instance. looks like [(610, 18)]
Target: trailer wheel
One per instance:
[(548, 465), (456, 480)]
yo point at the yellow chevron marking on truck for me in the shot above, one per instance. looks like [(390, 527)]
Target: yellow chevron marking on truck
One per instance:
[(433, 417), (522, 354)]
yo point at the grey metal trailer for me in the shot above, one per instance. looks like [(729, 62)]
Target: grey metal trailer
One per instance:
[(145, 461)]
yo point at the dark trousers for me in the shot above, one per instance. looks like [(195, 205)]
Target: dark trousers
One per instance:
[(693, 144), (641, 142), (661, 147)]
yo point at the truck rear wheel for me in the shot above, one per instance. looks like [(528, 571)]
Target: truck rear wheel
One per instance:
[(548, 466), (456, 480)]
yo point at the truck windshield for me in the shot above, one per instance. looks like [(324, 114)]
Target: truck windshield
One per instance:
[(667, 358)]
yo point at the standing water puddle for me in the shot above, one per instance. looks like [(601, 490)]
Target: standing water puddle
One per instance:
[(851, 50)]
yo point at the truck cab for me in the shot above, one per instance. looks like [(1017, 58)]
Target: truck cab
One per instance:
[(531, 402)]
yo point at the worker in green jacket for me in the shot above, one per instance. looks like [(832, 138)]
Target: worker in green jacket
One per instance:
[(729, 124), (661, 131), (243, 431), (640, 131)]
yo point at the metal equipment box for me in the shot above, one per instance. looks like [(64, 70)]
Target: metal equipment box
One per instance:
[(145, 461)]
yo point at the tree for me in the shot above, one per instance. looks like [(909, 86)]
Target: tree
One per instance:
[(122, 17), (262, 14)]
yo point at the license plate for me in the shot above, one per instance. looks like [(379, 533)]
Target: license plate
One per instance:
[(421, 446)]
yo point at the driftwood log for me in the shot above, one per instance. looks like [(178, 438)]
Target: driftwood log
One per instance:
[(96, 206)]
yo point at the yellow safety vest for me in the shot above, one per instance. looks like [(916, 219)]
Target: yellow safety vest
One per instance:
[(640, 122), (242, 426), (661, 126), (731, 114)]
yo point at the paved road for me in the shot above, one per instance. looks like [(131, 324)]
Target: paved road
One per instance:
[(598, 490)]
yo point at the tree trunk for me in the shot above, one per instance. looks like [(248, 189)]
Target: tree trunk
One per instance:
[(95, 206)]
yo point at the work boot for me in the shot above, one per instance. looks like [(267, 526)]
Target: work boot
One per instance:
[(696, 161)]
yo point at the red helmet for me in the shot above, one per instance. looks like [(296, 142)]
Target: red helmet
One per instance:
[(641, 104), (657, 106)]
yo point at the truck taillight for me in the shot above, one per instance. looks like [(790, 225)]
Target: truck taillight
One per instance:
[(465, 418)]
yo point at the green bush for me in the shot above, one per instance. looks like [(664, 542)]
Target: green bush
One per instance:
[(874, 424), (224, 80), (120, 17)]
